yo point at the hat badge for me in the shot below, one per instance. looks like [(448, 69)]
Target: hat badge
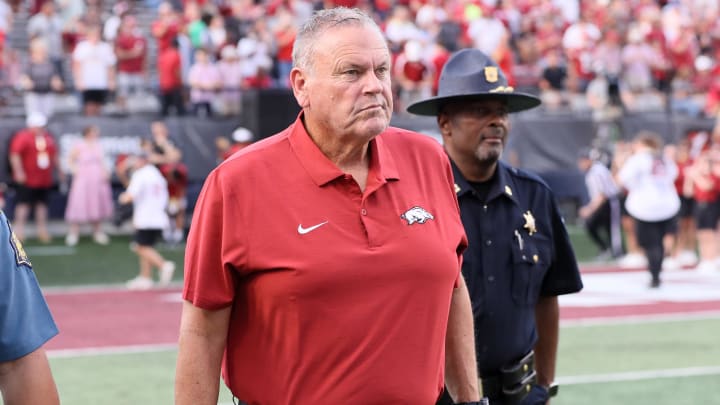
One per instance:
[(491, 74)]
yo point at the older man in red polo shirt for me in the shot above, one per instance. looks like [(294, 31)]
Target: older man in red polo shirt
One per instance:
[(33, 159), (323, 263)]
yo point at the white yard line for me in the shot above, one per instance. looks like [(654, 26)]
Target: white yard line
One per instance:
[(110, 350), (640, 319), (50, 250), (101, 288), (639, 375)]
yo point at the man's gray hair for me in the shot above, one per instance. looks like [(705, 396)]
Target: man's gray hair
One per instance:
[(318, 24)]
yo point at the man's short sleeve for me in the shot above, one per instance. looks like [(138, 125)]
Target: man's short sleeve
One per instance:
[(209, 275), (564, 275), (25, 319)]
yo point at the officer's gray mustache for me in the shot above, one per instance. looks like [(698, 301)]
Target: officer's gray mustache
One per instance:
[(496, 131)]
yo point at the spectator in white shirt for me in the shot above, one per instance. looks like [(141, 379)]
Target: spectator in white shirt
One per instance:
[(149, 196), (94, 71), (652, 198)]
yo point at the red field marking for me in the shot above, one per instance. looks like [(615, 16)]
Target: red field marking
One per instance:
[(117, 317), (114, 318), (656, 308), (592, 268), (612, 292)]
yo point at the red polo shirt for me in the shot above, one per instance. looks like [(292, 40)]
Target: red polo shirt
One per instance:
[(37, 156), (128, 42), (169, 66), (339, 296)]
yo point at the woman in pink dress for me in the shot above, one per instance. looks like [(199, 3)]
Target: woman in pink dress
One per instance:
[(90, 198)]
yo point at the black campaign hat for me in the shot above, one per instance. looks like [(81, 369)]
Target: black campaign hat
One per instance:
[(471, 75)]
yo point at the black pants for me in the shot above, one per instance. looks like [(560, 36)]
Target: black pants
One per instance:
[(650, 237), (172, 98), (598, 227), (445, 399), (604, 227), (202, 109)]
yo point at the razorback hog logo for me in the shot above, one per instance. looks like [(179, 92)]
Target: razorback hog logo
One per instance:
[(416, 214)]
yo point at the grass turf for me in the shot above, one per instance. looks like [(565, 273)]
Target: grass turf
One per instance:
[(119, 379), (88, 263), (147, 378)]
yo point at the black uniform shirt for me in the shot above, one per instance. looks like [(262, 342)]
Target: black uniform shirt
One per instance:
[(518, 250)]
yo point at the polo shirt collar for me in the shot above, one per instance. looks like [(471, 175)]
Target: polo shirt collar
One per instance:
[(502, 183), (323, 171)]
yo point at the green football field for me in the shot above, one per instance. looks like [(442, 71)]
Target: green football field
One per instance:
[(649, 360), (646, 362)]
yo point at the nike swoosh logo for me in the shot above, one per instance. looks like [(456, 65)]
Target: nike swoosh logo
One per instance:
[(303, 231)]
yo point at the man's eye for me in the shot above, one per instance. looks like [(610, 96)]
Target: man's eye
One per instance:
[(381, 71), (352, 72)]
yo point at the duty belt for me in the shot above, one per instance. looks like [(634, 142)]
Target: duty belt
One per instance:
[(511, 383)]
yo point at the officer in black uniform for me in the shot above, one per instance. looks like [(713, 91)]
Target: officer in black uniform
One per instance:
[(519, 258)]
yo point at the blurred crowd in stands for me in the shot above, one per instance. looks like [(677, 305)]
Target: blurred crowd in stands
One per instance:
[(606, 56)]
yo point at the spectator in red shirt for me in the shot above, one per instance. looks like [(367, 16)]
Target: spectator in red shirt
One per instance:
[(33, 159), (131, 51), (438, 56), (684, 48), (284, 32), (685, 244), (167, 26), (413, 74), (169, 67), (705, 192)]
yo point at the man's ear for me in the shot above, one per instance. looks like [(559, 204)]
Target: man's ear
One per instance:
[(298, 81), (443, 122)]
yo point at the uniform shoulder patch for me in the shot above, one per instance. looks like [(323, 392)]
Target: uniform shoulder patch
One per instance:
[(21, 257)]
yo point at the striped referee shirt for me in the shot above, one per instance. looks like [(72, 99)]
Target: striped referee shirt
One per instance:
[(599, 182)]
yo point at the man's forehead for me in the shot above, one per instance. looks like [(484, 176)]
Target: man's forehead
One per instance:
[(354, 47), (353, 34)]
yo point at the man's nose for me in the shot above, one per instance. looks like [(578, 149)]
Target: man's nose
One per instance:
[(372, 83)]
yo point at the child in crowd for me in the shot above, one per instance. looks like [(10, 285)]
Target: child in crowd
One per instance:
[(148, 193)]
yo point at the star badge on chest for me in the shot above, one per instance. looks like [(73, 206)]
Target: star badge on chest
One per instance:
[(529, 222)]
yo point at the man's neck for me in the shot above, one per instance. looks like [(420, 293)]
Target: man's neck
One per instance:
[(477, 171), (351, 158)]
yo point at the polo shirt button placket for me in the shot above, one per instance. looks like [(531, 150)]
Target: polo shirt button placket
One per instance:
[(488, 242), (363, 212)]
